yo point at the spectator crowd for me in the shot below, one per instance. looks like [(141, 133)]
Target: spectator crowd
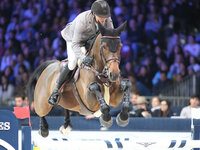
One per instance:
[(161, 44)]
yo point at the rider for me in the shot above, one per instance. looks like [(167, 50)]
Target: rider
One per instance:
[(76, 34)]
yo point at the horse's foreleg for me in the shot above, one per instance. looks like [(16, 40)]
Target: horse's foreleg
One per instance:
[(44, 128), (67, 127), (67, 119), (123, 117), (105, 118)]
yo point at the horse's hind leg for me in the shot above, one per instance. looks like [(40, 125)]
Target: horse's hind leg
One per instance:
[(123, 117), (44, 128), (105, 118), (67, 127)]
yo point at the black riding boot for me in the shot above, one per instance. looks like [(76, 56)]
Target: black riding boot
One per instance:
[(62, 78)]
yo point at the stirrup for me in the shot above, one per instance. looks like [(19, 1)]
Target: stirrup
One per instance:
[(53, 98)]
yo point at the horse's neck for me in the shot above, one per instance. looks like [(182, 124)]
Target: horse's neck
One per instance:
[(95, 52)]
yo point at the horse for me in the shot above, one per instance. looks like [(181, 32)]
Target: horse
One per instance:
[(86, 94)]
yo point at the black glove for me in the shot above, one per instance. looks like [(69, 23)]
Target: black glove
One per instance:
[(87, 61)]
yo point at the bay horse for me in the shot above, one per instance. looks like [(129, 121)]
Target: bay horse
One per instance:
[(86, 94)]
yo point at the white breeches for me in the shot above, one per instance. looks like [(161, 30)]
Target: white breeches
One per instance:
[(72, 59)]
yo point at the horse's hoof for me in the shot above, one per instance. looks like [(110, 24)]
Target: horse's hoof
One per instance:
[(65, 131), (121, 122), (104, 123), (43, 133)]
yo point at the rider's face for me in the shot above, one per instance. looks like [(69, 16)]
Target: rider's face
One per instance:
[(101, 20)]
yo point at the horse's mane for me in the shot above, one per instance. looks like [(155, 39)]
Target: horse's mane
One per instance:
[(34, 77)]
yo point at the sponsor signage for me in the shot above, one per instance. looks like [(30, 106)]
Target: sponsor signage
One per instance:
[(8, 130)]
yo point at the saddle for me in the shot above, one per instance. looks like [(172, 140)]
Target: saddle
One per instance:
[(73, 76)]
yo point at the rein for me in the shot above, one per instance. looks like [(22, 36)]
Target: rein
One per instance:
[(103, 76), (110, 37)]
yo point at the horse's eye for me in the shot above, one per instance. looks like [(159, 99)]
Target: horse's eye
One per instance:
[(104, 47)]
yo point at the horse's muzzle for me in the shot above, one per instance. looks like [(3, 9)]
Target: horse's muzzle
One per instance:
[(113, 77)]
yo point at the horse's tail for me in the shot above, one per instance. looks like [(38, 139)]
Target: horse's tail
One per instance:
[(34, 77)]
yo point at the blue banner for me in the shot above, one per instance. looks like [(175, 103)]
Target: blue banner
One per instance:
[(8, 130)]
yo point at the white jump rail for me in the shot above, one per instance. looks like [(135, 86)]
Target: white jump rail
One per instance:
[(113, 144)]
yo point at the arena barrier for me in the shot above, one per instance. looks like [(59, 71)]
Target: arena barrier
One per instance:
[(9, 130), (9, 138), (116, 144)]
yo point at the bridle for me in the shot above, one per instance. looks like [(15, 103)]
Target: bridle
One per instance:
[(111, 60), (103, 76)]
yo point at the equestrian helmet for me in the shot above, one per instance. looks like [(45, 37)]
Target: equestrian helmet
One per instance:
[(101, 8)]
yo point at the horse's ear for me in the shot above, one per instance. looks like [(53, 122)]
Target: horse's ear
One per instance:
[(101, 28), (121, 28)]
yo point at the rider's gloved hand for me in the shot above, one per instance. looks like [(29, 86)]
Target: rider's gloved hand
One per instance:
[(87, 61)]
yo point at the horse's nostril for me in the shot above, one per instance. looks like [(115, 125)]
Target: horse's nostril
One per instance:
[(111, 75)]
